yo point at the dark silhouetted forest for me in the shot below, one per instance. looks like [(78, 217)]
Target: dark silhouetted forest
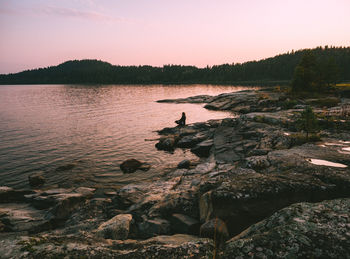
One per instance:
[(276, 69)]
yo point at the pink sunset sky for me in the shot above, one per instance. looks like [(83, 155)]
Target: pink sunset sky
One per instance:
[(40, 33)]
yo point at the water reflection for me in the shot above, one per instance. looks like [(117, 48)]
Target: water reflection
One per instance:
[(43, 127), (325, 163)]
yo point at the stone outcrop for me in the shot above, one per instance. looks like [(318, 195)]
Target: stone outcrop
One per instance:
[(242, 101), (251, 186), (303, 230)]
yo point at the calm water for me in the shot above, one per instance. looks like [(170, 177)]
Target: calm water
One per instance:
[(78, 135)]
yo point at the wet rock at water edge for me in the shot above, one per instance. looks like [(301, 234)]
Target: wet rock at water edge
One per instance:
[(36, 180), (167, 144), (8, 194), (203, 148), (184, 164), (17, 217), (131, 165)]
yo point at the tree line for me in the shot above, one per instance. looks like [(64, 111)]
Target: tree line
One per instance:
[(280, 68)]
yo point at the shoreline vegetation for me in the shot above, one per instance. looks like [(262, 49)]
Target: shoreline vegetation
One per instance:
[(273, 182), (270, 71)]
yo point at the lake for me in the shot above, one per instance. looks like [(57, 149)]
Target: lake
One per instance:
[(79, 134)]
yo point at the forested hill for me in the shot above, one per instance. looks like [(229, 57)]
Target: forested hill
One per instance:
[(278, 68)]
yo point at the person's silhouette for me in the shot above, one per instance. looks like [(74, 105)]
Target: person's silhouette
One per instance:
[(182, 121)]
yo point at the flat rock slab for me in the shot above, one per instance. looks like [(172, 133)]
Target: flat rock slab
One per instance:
[(17, 217), (175, 246), (192, 99)]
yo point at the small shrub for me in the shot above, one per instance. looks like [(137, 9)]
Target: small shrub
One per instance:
[(307, 122), (324, 102), (289, 104), (298, 139), (260, 118)]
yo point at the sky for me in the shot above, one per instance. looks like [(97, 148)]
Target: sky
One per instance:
[(41, 33)]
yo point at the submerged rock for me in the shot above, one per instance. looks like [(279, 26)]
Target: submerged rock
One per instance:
[(36, 180), (65, 167), (167, 144), (184, 164), (131, 165)]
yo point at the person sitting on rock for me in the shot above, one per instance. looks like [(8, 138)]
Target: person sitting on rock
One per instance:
[(182, 121)]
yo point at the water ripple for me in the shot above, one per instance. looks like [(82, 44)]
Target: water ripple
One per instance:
[(92, 129)]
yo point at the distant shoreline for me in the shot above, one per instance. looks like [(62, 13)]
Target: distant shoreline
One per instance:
[(271, 71), (237, 83)]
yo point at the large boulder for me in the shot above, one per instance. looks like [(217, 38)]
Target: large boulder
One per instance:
[(303, 230), (65, 204), (117, 227), (153, 227), (180, 202)]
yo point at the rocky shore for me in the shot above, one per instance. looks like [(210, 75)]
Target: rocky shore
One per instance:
[(259, 191)]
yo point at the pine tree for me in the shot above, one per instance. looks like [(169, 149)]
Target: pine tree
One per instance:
[(305, 74), (308, 121)]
